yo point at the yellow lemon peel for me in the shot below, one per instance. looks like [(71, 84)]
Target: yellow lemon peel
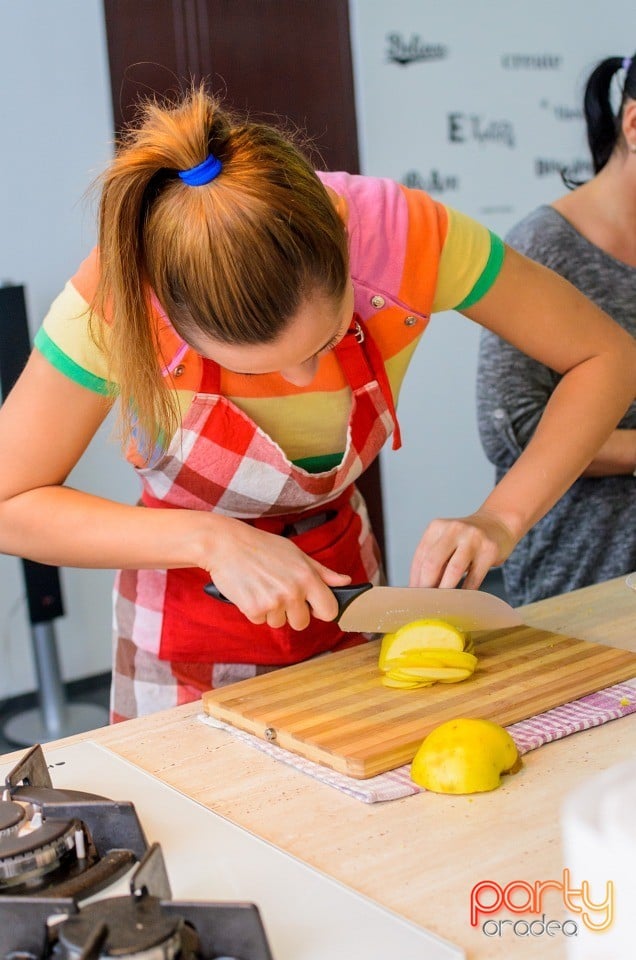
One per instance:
[(465, 756)]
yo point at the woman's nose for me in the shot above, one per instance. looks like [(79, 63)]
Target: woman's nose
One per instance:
[(303, 374)]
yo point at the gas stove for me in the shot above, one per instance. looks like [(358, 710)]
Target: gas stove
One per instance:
[(217, 872), (60, 852)]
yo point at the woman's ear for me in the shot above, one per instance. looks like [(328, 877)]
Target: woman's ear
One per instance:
[(628, 124)]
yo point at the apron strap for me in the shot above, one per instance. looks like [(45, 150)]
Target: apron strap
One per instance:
[(361, 362), (210, 378)]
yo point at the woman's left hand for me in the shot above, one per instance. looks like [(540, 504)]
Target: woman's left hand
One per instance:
[(465, 546)]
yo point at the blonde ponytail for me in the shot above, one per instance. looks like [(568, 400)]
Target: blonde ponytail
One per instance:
[(231, 260)]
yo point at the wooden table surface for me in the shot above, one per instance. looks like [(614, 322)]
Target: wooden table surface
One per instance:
[(422, 855)]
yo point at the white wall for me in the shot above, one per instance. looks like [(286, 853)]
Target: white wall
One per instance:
[(56, 135), (491, 105)]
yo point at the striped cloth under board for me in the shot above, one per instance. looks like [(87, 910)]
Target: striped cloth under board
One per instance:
[(591, 711)]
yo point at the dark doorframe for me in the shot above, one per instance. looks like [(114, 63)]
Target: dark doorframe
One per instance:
[(284, 60)]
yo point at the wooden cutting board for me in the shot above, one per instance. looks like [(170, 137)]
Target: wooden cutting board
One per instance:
[(334, 709)]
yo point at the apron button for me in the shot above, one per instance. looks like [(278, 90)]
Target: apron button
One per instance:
[(410, 321), (377, 301), (179, 370)]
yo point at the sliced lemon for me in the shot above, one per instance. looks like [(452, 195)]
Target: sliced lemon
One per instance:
[(419, 635), (432, 674), (390, 681), (426, 652), (433, 658)]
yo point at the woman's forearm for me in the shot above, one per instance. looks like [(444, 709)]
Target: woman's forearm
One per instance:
[(574, 426), (267, 576), (66, 527)]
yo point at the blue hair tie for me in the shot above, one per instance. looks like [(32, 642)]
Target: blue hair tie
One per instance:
[(626, 64), (203, 173)]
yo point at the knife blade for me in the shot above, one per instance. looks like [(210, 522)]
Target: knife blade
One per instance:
[(367, 609), (370, 609)]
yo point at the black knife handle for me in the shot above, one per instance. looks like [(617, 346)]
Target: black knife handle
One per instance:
[(343, 595), (212, 591), (346, 595)]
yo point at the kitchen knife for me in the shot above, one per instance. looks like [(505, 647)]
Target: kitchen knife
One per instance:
[(368, 609)]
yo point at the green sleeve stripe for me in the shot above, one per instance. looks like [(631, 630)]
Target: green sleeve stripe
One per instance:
[(319, 464), (489, 273), (68, 367)]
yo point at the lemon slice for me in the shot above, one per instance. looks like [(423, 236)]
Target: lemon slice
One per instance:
[(420, 635), (390, 681), (432, 674), (433, 658)]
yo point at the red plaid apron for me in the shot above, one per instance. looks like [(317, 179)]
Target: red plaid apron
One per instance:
[(171, 640)]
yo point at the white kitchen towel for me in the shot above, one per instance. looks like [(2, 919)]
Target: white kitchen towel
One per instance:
[(591, 711)]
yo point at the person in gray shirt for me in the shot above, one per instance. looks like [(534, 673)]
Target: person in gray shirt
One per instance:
[(588, 237)]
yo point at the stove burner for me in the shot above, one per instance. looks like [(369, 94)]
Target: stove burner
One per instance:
[(63, 843), (11, 816), (147, 925), (41, 851), (130, 927)]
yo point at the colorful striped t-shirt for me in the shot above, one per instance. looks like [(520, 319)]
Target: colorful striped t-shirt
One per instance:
[(409, 256)]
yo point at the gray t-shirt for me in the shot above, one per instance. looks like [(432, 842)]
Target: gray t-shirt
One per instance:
[(590, 535)]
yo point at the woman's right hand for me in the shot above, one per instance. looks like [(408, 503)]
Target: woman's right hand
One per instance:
[(268, 577)]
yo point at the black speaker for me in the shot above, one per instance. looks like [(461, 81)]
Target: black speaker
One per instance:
[(43, 587)]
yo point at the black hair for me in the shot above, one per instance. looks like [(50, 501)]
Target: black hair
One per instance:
[(603, 124)]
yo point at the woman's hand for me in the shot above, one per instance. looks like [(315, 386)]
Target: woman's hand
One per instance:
[(269, 578), (453, 548)]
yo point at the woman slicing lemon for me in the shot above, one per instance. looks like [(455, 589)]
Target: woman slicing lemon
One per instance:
[(254, 320)]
